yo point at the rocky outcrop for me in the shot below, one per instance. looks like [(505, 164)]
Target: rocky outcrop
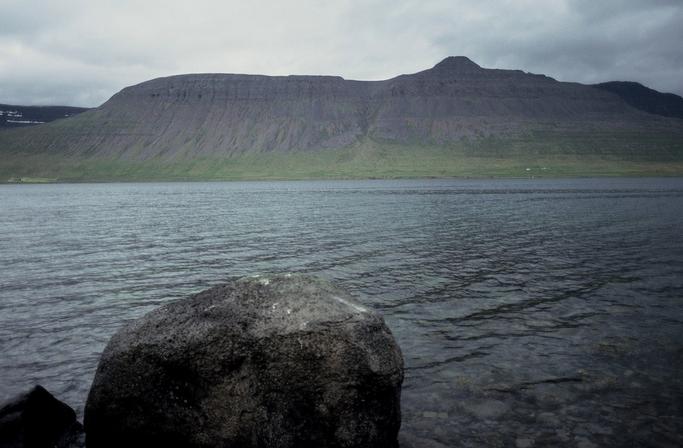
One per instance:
[(284, 361), (36, 419)]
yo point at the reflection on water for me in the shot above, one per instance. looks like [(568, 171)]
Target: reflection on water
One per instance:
[(530, 312)]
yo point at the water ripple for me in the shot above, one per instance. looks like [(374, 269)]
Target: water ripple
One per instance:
[(544, 310)]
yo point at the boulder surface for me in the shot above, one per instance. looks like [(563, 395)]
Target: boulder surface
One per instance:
[(283, 361)]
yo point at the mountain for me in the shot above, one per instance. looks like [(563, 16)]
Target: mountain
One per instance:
[(12, 116), (456, 118), (646, 99)]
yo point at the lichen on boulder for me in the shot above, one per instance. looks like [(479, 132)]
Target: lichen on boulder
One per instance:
[(283, 361)]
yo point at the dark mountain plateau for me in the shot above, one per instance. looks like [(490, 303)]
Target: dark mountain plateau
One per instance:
[(12, 116), (646, 99), (455, 119)]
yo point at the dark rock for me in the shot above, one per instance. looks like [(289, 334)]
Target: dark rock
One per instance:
[(37, 419), (286, 361)]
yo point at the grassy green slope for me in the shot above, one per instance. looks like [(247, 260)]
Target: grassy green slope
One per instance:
[(535, 155)]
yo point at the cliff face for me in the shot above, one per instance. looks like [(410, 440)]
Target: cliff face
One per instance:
[(208, 114), (222, 115)]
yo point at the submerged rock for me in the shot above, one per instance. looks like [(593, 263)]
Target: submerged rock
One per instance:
[(286, 361), (36, 419)]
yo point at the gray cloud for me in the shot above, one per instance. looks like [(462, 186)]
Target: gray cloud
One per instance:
[(79, 52)]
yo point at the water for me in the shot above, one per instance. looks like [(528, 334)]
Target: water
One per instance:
[(543, 312)]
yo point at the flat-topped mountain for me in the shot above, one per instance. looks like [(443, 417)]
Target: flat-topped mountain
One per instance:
[(456, 105)]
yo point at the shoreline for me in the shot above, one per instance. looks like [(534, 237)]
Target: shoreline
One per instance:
[(334, 179)]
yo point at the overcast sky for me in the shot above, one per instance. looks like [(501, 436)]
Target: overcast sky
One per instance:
[(81, 52)]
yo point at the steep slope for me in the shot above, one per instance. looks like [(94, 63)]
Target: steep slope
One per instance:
[(455, 106), (646, 99), (13, 116)]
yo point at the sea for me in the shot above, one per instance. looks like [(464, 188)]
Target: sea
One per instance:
[(530, 312)]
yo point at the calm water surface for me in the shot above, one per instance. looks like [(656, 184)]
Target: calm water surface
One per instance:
[(546, 312)]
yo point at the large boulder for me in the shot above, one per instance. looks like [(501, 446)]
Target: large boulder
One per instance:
[(284, 361), (36, 419)]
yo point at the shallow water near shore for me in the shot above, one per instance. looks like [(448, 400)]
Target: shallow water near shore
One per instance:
[(530, 312)]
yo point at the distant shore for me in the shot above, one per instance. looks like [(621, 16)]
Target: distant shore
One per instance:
[(350, 163), (42, 181)]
